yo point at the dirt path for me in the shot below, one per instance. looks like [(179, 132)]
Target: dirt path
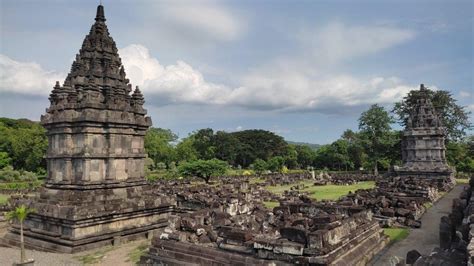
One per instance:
[(106, 256), (424, 239)]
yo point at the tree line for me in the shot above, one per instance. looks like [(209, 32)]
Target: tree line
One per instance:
[(376, 145)]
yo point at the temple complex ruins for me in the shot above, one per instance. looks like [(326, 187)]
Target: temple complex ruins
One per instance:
[(423, 148), (95, 193)]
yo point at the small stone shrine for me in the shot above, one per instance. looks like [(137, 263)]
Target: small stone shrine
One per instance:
[(423, 149), (95, 193)]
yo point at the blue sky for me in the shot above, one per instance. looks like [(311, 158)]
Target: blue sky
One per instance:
[(303, 69)]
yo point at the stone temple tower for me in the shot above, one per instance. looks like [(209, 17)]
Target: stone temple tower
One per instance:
[(95, 192), (423, 149)]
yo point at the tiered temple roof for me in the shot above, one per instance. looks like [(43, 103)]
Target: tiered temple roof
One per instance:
[(424, 113), (97, 77)]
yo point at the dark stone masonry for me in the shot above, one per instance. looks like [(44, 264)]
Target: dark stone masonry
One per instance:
[(423, 149), (95, 193)]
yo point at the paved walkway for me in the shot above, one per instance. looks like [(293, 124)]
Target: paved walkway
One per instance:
[(427, 237)]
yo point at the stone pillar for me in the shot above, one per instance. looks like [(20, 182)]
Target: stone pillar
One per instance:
[(67, 175), (86, 169)]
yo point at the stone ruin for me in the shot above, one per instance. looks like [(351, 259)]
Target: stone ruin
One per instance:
[(396, 202), (228, 224), (95, 192), (423, 149), (456, 235)]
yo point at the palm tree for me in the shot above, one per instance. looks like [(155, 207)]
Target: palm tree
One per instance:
[(20, 213)]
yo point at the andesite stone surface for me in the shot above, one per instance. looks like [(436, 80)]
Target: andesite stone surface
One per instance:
[(423, 148), (95, 192)]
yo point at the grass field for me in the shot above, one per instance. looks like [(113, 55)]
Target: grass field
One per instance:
[(4, 198), (396, 234), (94, 258), (327, 192), (271, 204), (136, 253), (462, 180)]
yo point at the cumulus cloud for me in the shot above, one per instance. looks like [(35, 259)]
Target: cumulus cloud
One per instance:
[(336, 41), (208, 18), (464, 94), (178, 83), (297, 92), (26, 77), (274, 89), (285, 84)]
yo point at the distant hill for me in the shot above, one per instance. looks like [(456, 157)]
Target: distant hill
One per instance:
[(311, 145), (17, 123)]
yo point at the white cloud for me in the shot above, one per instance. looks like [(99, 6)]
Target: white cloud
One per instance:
[(284, 84), (300, 92), (179, 83), (207, 18), (336, 41), (470, 108), (464, 94), (26, 77), (276, 88)]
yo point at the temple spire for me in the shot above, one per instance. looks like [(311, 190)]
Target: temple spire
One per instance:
[(100, 13)]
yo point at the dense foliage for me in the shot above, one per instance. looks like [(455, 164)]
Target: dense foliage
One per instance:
[(375, 146), (455, 118), (23, 144), (204, 169)]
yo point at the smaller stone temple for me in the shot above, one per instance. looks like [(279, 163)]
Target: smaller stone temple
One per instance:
[(95, 193), (423, 148)]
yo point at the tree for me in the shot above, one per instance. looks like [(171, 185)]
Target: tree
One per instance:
[(226, 145), (460, 154), (340, 154), (375, 126), (259, 166), (185, 150), (455, 118), (204, 143), (291, 157), (260, 144), (276, 163), (204, 169), (25, 142), (5, 160), (305, 155), (20, 213), (356, 151), (158, 145)]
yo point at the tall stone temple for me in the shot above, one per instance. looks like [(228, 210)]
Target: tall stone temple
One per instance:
[(95, 192), (423, 149)]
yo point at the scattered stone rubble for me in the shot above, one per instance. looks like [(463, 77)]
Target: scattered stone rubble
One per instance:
[(396, 201), (456, 235), (228, 224)]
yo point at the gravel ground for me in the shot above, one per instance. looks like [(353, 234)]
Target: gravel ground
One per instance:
[(11, 255), (424, 239), (112, 256)]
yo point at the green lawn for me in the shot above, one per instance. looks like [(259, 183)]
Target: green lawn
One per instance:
[(136, 253), (96, 257), (328, 192), (462, 180), (4, 198), (257, 180), (271, 204), (396, 234)]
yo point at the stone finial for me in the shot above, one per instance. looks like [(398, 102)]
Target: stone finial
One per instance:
[(100, 14)]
